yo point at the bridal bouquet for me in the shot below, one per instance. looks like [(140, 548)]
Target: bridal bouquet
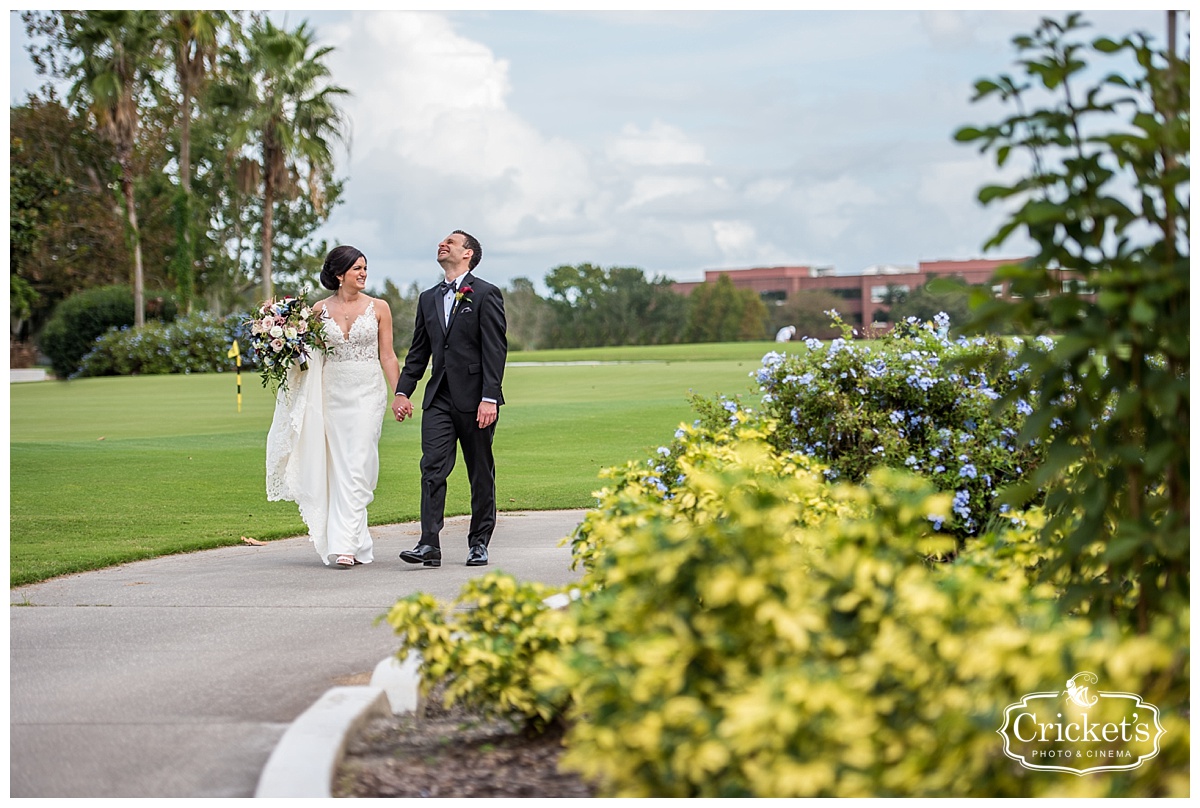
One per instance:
[(284, 333)]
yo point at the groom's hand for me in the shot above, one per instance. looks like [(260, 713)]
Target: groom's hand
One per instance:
[(486, 414), (401, 406)]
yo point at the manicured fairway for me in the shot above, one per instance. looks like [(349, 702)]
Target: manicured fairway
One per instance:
[(111, 470)]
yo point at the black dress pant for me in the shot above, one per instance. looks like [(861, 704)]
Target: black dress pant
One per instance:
[(443, 429)]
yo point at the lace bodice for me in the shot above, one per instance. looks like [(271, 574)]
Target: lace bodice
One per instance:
[(363, 343)]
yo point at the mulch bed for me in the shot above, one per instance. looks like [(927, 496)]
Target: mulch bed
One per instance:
[(437, 752)]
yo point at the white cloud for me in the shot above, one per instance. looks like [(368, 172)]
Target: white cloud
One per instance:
[(435, 145), (660, 145)]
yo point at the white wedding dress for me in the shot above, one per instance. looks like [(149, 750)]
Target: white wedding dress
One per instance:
[(323, 445)]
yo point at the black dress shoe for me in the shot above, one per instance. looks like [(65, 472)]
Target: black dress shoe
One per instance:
[(425, 554), (477, 556)]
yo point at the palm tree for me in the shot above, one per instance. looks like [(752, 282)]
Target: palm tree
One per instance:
[(193, 40), (118, 52), (291, 116)]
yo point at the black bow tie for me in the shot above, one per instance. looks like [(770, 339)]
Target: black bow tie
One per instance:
[(444, 286)]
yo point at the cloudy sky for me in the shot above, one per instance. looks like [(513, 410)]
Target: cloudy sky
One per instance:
[(673, 141)]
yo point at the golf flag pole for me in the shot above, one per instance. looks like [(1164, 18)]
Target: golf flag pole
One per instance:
[(236, 353)]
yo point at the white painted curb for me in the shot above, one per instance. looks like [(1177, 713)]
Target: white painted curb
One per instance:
[(304, 761), (307, 756)]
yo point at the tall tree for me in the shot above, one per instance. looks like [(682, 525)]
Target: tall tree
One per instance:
[(193, 41), (116, 56), (1106, 195), (291, 117)]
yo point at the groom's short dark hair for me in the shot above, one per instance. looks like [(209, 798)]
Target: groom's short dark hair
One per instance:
[(472, 244)]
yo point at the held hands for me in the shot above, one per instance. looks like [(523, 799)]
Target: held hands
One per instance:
[(402, 407)]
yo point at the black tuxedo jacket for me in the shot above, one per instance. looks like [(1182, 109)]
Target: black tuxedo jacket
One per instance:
[(468, 354)]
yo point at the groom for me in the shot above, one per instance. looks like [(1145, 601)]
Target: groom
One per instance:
[(460, 326)]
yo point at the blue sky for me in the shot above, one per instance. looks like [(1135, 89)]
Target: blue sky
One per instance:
[(674, 141)]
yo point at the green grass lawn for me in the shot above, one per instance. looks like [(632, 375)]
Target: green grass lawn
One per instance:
[(109, 470)]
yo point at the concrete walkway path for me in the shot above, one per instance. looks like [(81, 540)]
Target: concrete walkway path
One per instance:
[(176, 677)]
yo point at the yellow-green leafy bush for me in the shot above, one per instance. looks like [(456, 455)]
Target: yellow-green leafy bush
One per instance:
[(483, 645), (755, 631)]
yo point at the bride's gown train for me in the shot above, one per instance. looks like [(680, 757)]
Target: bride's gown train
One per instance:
[(323, 446)]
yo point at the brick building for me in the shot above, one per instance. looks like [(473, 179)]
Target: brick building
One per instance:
[(863, 294)]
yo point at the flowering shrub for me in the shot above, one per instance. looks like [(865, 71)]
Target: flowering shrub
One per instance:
[(914, 399), (759, 631), (197, 343)]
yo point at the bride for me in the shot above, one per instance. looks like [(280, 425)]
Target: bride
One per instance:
[(323, 446)]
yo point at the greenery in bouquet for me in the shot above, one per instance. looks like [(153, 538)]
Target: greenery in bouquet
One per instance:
[(284, 334)]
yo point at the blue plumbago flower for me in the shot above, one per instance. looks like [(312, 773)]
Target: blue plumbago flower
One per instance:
[(968, 470), (937, 520), (762, 375), (1004, 508), (795, 416), (768, 398), (1055, 423), (772, 359), (935, 452), (830, 474), (729, 406), (876, 368), (877, 450), (805, 380), (1046, 342), (664, 451), (938, 469), (679, 433), (662, 489), (1023, 407), (941, 320), (896, 417), (910, 461), (961, 498), (812, 344)]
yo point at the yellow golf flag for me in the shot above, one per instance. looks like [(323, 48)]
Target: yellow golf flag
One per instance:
[(236, 352)]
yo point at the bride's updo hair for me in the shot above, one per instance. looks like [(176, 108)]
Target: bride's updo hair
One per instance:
[(337, 262)]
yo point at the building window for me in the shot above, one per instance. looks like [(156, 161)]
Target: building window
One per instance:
[(1074, 286), (892, 293), (774, 297)]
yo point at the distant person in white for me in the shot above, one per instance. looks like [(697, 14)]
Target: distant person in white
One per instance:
[(786, 333)]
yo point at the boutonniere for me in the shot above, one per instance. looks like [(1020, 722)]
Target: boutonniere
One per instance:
[(462, 293)]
